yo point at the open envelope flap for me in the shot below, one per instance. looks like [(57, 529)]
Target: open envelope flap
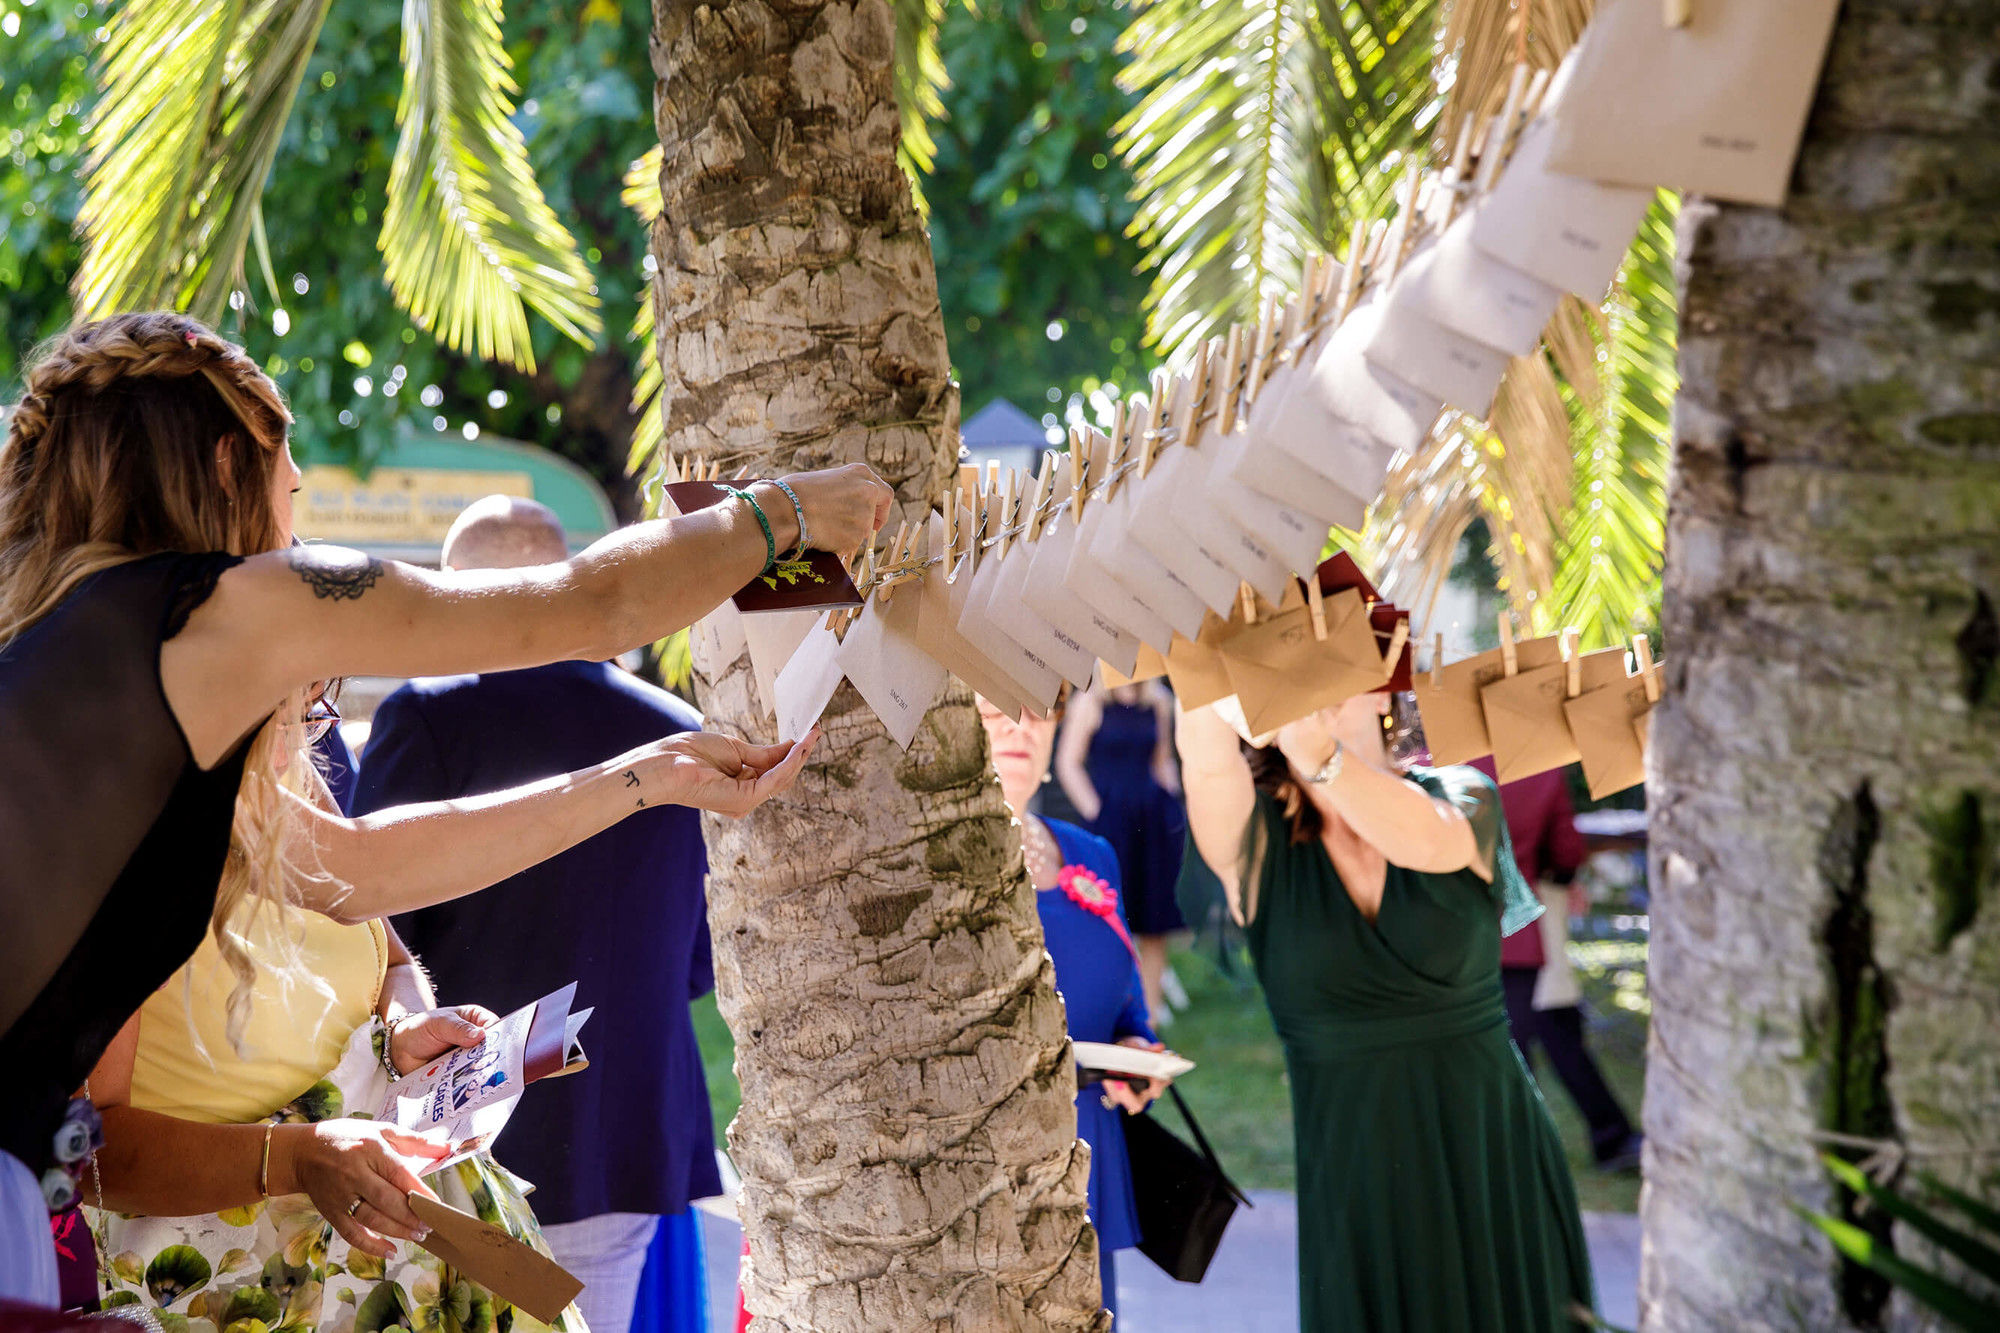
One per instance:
[(1602, 722), (510, 1269), (1280, 672), (1524, 714), (1195, 669), (1453, 715)]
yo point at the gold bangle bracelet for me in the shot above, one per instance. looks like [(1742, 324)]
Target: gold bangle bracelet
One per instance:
[(264, 1168)]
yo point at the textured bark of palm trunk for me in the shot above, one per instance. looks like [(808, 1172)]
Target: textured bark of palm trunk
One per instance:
[(1826, 768), (907, 1137)]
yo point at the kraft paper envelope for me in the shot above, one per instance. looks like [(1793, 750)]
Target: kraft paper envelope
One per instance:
[(1715, 106), (1344, 384), (1456, 284), (1039, 682), (1246, 551), (718, 639), (1089, 582), (1009, 613), (510, 1269), (1454, 719), (1642, 729), (883, 658), (1602, 722), (1566, 231), (1230, 710), (1524, 714), (1134, 567), (1159, 527), (1195, 669), (772, 638), (937, 636), (1151, 666), (806, 685), (1047, 594), (1260, 463), (1442, 362), (1279, 672)]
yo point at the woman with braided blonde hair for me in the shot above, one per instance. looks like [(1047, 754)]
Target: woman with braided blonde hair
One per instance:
[(160, 636)]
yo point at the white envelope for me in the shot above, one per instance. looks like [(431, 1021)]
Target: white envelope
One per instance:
[(1458, 285), (1244, 549), (1090, 583), (1327, 451), (1441, 362), (772, 636), (1294, 536), (938, 634), (1007, 610), (806, 684), (718, 640), (1345, 385), (1105, 543), (1566, 231), (1257, 461), (1048, 595), (1158, 526), (881, 658), (1040, 682)]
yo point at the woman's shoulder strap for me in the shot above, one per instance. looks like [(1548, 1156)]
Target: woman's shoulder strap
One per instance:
[(191, 580)]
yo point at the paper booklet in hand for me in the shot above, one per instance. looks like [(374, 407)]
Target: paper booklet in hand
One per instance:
[(817, 579), (1103, 1059), (466, 1096)]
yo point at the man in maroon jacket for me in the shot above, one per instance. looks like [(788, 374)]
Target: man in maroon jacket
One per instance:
[(1548, 849)]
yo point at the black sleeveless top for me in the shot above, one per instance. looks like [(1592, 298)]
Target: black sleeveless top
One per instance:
[(112, 840)]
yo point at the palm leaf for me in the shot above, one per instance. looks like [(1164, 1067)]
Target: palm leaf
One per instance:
[(468, 242), (1262, 131), (196, 95), (1484, 39), (920, 84), (642, 196), (1968, 1249), (1953, 1302)]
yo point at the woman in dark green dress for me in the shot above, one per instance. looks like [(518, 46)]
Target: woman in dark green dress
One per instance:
[(1433, 1192)]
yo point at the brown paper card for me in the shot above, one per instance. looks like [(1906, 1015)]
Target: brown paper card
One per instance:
[(1151, 665), (1714, 107), (515, 1272), (1524, 714), (1454, 719), (1279, 672), (1604, 725)]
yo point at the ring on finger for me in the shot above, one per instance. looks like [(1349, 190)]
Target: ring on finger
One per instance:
[(355, 1207)]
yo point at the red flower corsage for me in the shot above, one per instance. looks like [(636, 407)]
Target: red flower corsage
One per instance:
[(1088, 891)]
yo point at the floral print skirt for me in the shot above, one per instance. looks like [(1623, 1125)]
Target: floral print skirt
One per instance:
[(277, 1266)]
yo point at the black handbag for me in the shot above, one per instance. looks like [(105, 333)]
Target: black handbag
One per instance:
[(1184, 1199)]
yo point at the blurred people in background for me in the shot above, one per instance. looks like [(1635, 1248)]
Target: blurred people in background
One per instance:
[(1543, 998), (621, 914), (1077, 891), (1115, 762)]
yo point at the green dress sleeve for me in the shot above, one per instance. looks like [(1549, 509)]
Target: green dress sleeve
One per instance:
[(1475, 796)]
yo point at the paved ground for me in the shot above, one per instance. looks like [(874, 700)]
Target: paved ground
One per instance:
[(1253, 1285)]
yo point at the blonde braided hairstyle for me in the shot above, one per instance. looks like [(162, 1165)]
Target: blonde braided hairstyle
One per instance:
[(140, 434)]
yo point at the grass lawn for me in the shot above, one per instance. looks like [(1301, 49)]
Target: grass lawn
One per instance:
[(1239, 1089)]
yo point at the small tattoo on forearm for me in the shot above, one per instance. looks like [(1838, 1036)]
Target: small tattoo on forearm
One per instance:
[(631, 778), (334, 572)]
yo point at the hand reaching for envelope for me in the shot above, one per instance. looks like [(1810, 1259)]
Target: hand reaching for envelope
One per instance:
[(1355, 723)]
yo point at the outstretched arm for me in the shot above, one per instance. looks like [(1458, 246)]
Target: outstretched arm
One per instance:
[(1220, 795), (285, 619), (412, 856)]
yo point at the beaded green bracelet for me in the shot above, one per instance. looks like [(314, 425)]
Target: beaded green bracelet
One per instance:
[(770, 542), (799, 510)]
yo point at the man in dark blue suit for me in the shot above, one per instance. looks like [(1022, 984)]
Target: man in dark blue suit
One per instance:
[(613, 1149)]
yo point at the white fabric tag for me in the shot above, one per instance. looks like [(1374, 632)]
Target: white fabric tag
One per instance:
[(1458, 285), (806, 684), (880, 658)]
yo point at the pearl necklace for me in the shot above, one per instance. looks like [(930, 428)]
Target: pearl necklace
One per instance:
[(1040, 853)]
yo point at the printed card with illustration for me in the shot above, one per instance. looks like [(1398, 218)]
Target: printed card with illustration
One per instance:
[(465, 1097), (814, 581)]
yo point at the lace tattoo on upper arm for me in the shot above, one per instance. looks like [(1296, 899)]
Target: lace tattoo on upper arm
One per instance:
[(334, 572)]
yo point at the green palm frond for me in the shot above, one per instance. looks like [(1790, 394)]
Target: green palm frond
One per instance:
[(1966, 1303), (920, 84), (1264, 129), (642, 196), (196, 95), (468, 242), (1609, 560), (1483, 40)]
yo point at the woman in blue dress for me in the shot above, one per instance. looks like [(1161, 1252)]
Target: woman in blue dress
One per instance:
[(1097, 971)]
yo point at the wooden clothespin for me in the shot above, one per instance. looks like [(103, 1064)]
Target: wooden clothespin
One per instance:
[(1045, 486), (968, 484), (1531, 101), (950, 533), (1510, 661), (1080, 449), (1402, 232), (1260, 351), (1352, 276), (898, 552), (1229, 393), (1397, 639), (1159, 413), (1246, 596), (1649, 675), (1437, 661), (1678, 13), (1009, 504), (1572, 663), (1316, 606), (1192, 404)]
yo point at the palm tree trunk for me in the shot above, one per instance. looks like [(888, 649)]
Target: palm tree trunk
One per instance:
[(907, 1138), (1826, 771)]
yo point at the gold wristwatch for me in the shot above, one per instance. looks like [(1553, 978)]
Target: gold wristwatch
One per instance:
[(1330, 770)]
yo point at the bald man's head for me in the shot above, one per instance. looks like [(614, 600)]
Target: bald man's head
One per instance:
[(504, 532)]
